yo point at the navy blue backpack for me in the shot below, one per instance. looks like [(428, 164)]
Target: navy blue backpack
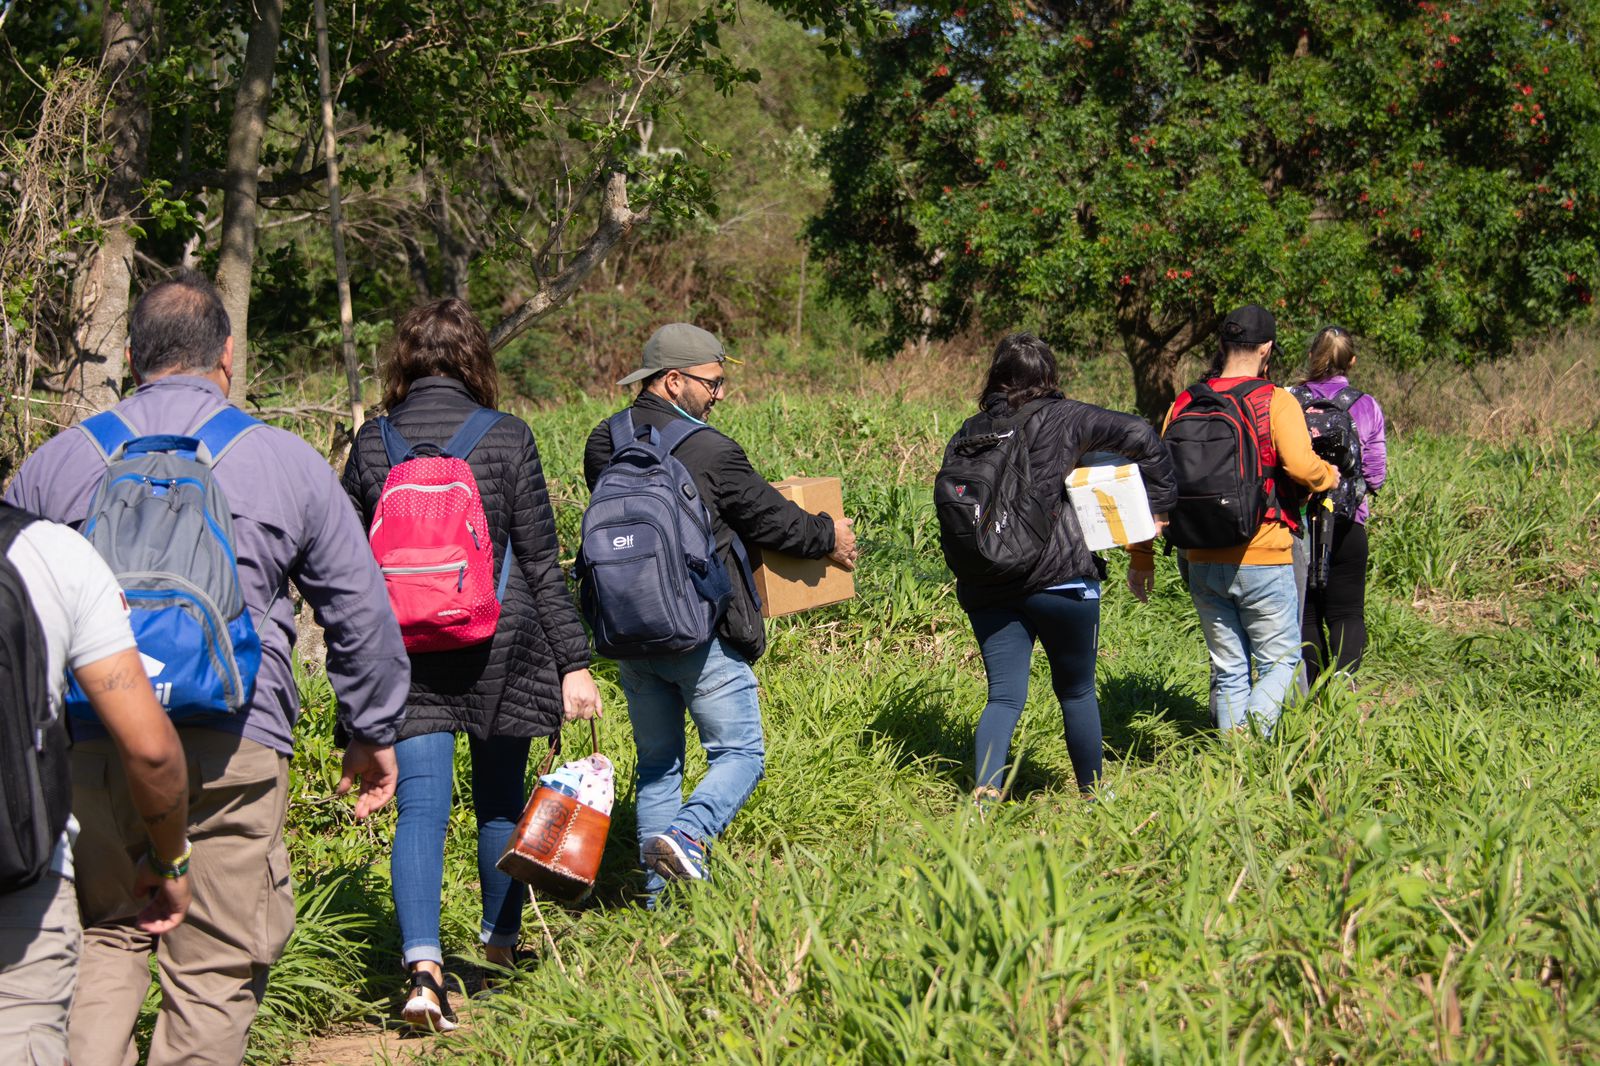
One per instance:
[(650, 581)]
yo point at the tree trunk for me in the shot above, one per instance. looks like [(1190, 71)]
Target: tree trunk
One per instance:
[(341, 265), (100, 293), (1155, 351), (241, 180)]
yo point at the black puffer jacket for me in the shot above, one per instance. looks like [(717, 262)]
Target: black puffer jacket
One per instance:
[(742, 501), (511, 685), (1060, 434)]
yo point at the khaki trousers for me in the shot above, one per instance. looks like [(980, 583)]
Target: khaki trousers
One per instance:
[(213, 967), (38, 963)]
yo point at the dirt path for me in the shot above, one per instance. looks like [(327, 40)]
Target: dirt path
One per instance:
[(370, 1045)]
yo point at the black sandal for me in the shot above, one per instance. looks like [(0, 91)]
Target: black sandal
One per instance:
[(424, 1014)]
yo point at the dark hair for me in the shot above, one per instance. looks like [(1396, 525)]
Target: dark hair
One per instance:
[(1226, 351), (178, 325), (1024, 368), (1332, 352), (441, 339)]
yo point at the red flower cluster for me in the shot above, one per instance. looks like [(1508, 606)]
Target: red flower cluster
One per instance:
[(1416, 234), (941, 71), (1125, 280), (1172, 274)]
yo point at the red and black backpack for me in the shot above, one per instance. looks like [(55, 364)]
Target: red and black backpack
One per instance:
[(1226, 465)]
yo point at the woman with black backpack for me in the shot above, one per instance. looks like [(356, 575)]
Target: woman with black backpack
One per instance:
[(1333, 615), (504, 680), (1042, 585)]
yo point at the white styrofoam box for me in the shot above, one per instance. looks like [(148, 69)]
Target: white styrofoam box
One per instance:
[(1111, 505)]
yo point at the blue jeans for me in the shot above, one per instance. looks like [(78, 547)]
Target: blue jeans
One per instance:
[(416, 866), (1251, 616), (1069, 628), (717, 687)]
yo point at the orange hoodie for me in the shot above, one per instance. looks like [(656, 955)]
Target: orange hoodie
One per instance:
[(1273, 544)]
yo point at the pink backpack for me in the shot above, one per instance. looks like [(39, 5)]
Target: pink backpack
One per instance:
[(431, 539)]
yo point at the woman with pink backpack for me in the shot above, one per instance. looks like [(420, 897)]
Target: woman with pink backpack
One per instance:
[(454, 498)]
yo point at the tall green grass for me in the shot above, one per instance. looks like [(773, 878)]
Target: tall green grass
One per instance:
[(1403, 873)]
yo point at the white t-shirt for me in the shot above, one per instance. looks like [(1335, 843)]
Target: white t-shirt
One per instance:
[(82, 612)]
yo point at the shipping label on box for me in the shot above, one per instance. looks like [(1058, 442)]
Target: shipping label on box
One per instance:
[(1111, 505), (788, 584)]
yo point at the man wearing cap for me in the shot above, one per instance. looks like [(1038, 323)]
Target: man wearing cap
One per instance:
[(682, 375), (1246, 594)]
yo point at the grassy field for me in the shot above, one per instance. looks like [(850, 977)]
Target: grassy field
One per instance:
[(1405, 873)]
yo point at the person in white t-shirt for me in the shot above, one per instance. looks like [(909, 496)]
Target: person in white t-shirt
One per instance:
[(84, 619)]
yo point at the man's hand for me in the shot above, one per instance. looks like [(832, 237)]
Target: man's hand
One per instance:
[(1161, 525), (375, 766), (580, 699), (844, 543), (1140, 583), (169, 899)]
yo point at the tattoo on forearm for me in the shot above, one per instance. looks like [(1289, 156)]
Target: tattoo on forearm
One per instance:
[(120, 679)]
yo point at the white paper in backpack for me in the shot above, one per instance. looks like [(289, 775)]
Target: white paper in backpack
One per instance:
[(1111, 505)]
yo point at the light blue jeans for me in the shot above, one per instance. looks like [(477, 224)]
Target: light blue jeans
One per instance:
[(717, 687), (1251, 616), (423, 796)]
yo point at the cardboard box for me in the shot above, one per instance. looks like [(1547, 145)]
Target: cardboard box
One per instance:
[(788, 584), (1111, 505)]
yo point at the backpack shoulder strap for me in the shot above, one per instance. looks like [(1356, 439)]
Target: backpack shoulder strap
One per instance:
[(1199, 389), (395, 445), (109, 431), (472, 432), (1346, 398), (1248, 388), (13, 520), (222, 431), (621, 427), (678, 431), (1302, 394)]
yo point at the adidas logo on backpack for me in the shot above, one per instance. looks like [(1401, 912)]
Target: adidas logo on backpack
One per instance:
[(165, 528)]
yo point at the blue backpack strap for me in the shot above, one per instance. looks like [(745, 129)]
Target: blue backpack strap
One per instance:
[(395, 444), (621, 426), (109, 431), (505, 574), (472, 431), (678, 431), (222, 431)]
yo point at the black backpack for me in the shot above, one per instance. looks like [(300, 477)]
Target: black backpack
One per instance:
[(1334, 438), (1224, 490), (992, 526), (35, 789)]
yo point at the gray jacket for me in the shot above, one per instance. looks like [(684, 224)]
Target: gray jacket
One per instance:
[(292, 522)]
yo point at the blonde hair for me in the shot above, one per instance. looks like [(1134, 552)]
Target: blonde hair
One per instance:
[(1332, 352)]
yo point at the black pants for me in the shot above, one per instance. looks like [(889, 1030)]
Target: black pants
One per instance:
[(1333, 621)]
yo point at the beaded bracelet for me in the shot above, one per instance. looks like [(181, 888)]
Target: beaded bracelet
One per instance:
[(175, 869)]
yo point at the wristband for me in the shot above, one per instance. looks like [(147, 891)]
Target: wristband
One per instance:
[(175, 869)]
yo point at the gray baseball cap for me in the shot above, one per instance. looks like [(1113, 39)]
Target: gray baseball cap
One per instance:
[(675, 346)]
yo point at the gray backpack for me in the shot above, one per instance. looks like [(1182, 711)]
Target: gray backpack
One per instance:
[(165, 527)]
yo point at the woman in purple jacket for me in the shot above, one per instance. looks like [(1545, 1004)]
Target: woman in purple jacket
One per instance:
[(1332, 622)]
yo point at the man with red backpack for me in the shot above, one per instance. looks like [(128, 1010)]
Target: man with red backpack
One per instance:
[(1243, 458)]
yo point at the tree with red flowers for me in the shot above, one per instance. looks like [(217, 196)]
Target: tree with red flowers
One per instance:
[(1120, 175)]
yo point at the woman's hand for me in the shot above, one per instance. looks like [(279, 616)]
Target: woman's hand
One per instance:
[(580, 698), (1140, 583)]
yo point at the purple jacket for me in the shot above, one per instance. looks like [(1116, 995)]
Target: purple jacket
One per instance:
[(1368, 417), (292, 522)]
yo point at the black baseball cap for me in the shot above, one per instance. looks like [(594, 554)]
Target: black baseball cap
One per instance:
[(1250, 324)]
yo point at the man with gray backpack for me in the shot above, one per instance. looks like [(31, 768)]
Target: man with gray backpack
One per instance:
[(664, 581), (206, 516)]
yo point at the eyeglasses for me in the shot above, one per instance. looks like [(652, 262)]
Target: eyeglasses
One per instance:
[(715, 386)]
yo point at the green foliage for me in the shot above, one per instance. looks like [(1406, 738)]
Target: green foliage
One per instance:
[(1429, 176), (1399, 875)]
